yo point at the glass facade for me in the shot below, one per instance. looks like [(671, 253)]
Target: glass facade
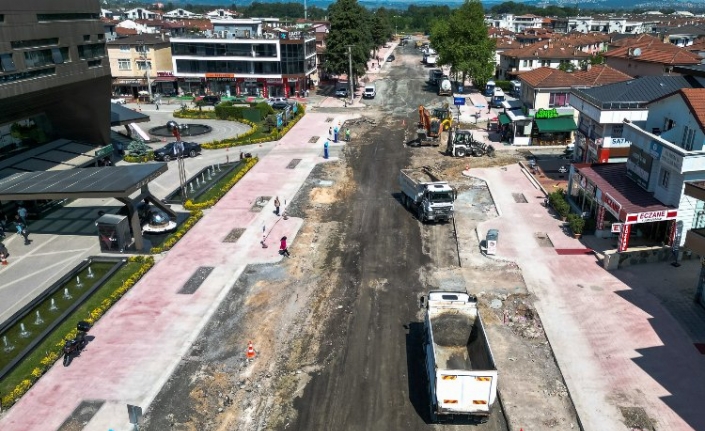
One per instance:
[(228, 66), (225, 49)]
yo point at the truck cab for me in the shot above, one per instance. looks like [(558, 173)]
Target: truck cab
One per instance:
[(489, 88), (498, 98)]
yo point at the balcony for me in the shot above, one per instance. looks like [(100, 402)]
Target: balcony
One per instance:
[(246, 35)]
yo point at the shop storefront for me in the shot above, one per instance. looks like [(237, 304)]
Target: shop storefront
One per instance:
[(192, 86), (164, 84), (552, 128), (128, 87), (619, 206)]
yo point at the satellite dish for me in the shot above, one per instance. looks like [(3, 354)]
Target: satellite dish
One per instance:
[(637, 52)]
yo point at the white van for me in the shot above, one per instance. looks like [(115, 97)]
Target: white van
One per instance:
[(370, 92)]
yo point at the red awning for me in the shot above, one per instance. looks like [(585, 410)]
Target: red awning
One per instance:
[(165, 79), (624, 197)]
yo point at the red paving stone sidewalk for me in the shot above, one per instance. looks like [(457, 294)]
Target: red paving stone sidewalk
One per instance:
[(616, 345), (141, 340)]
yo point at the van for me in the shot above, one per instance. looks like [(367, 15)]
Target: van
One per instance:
[(434, 75), (370, 92), (498, 98)]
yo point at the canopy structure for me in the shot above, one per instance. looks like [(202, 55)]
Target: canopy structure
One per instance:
[(504, 119), (558, 124), (121, 116), (118, 182)]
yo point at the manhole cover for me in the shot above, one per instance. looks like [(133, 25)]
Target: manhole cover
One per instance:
[(292, 164), (196, 280), (329, 120), (234, 235), (519, 198), (314, 139), (260, 202), (542, 239)]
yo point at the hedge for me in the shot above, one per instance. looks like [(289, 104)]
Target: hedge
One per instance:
[(180, 232), (139, 159), (190, 205), (57, 350), (559, 203)]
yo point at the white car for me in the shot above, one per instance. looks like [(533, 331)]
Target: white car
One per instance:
[(273, 100), (118, 100), (370, 92)]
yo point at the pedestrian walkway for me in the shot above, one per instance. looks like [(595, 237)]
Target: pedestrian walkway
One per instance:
[(142, 339), (616, 343)]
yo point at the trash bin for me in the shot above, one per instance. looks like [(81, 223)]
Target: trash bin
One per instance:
[(491, 241), (113, 233)]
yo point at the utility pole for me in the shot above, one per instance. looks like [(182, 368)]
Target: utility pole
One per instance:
[(350, 76), (143, 56), (305, 11)]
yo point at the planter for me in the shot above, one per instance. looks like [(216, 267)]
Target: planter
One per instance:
[(577, 235)]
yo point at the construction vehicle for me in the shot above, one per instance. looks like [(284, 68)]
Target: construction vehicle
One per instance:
[(445, 88), (425, 194), (433, 123), (460, 369), (461, 143)]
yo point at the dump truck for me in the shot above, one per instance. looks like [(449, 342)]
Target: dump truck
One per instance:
[(460, 369), (425, 194), (445, 88)]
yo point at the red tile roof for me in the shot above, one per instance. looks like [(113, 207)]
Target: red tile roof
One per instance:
[(662, 53), (695, 99), (122, 31), (551, 50), (546, 77), (601, 75)]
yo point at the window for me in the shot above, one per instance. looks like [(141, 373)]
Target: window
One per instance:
[(558, 99), (143, 65), (125, 48), (8, 65), (687, 139), (30, 43), (617, 130), (664, 178), (60, 55), (66, 16), (124, 64), (11, 77), (101, 36), (545, 63), (668, 124), (91, 51), (142, 49), (86, 37), (2, 18), (38, 58), (524, 63), (94, 63)]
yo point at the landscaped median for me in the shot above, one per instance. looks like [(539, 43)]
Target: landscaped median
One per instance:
[(16, 383)]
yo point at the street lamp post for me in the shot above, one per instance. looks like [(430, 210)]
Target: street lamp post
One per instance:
[(147, 66)]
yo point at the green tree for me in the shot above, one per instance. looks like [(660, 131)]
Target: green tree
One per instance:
[(349, 26), (381, 28), (462, 43)]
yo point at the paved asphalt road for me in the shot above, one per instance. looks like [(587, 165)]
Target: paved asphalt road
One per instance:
[(376, 381)]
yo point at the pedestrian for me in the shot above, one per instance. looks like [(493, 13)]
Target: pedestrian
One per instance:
[(157, 105), (489, 108), (276, 205), (22, 212), (22, 230), (330, 133), (325, 150), (335, 134), (283, 250), (347, 134)]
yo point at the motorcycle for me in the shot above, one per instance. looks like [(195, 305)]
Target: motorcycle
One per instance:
[(74, 346)]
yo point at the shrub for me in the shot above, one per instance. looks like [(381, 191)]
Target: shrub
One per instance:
[(558, 202), (576, 223)]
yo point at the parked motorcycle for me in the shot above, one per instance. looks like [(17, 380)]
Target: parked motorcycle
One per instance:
[(74, 346)]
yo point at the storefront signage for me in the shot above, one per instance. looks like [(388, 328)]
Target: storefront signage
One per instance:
[(600, 217), (543, 114), (616, 227), (621, 142), (655, 149), (639, 166), (274, 81), (651, 216), (624, 238), (292, 79), (249, 80), (220, 75), (165, 73), (611, 205), (192, 79), (672, 160)]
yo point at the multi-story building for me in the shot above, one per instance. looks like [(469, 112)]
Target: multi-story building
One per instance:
[(648, 56), (141, 13), (241, 57), (541, 54), (517, 23), (181, 14), (138, 61), (54, 73)]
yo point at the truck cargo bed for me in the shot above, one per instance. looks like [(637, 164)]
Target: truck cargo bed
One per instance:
[(451, 335)]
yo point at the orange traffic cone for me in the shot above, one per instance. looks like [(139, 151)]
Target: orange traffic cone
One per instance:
[(250, 350), (3, 259)]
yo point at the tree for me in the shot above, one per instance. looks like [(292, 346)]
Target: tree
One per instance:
[(381, 28), (349, 26), (462, 43)]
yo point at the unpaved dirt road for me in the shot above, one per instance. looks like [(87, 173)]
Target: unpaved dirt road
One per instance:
[(337, 327)]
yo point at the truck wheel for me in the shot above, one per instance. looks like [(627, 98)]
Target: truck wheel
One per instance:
[(432, 416), (420, 214), (460, 152)]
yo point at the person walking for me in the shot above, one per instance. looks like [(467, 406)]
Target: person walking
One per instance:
[(347, 134), (276, 205), (22, 212), (335, 134), (325, 150), (22, 230), (283, 250), (330, 133)]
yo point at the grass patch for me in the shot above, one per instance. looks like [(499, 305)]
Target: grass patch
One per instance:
[(215, 191), (23, 371)]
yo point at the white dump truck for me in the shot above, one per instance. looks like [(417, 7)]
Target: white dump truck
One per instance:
[(426, 195), (460, 368)]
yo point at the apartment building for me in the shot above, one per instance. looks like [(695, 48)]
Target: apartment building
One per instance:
[(540, 54), (137, 61), (54, 74), (243, 57)]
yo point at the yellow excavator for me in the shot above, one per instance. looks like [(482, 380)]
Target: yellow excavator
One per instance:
[(432, 123)]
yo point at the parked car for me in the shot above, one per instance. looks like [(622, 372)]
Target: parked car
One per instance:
[(210, 100), (273, 100), (166, 152), (118, 100), (279, 105), (391, 58), (341, 92), (370, 92)]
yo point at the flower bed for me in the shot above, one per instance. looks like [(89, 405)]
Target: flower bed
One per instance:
[(45, 355), (180, 232), (191, 205)]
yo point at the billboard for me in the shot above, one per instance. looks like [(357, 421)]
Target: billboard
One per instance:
[(639, 166)]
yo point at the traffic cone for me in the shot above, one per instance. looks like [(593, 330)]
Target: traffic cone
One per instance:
[(3, 259), (250, 350)]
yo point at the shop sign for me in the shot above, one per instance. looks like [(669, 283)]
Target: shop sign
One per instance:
[(250, 79), (220, 75), (616, 227), (274, 81), (639, 166), (622, 142), (542, 114), (611, 205), (292, 79), (672, 160), (655, 149), (651, 216), (104, 151), (624, 238), (165, 73), (600, 217), (191, 79)]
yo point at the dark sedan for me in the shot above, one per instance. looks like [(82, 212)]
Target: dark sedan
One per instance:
[(166, 153), (279, 105)]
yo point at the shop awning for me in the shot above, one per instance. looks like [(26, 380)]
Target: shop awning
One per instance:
[(558, 124), (504, 119), (164, 79), (129, 82)]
